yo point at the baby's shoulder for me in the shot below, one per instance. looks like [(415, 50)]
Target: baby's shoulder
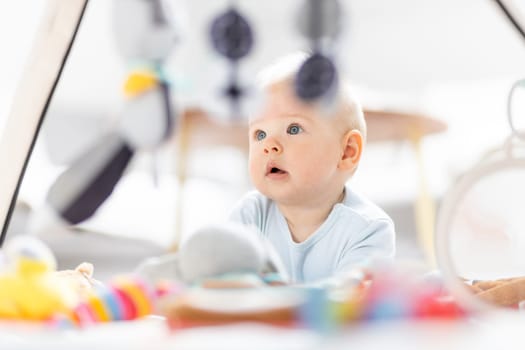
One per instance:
[(253, 204), (255, 199), (357, 206)]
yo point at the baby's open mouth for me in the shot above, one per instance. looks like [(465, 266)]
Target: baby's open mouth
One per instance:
[(276, 171), (272, 170)]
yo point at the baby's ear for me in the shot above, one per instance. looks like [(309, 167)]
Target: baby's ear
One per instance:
[(352, 147)]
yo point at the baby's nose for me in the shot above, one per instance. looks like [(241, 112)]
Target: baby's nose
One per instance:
[(272, 147)]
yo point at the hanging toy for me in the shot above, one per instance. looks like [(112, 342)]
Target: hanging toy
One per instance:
[(145, 35), (232, 38), (320, 23)]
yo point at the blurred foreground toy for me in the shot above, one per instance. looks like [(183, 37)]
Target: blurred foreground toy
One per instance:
[(31, 289), (382, 296), (81, 278), (394, 294), (209, 307), (124, 298), (229, 272), (219, 252)]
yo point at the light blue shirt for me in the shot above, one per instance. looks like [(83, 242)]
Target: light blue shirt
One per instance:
[(355, 233)]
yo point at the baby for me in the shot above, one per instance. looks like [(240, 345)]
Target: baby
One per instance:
[(300, 160)]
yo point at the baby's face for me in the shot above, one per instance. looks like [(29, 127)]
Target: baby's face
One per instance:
[(294, 151)]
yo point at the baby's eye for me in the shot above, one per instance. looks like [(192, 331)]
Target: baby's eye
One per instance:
[(294, 129), (259, 135)]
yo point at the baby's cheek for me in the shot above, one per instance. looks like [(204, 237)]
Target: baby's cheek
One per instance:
[(253, 168), (316, 172), (251, 160)]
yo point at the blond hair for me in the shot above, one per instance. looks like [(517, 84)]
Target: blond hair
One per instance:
[(284, 70)]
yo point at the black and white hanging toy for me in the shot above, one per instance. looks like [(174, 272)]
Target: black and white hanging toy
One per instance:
[(145, 33), (232, 37), (320, 23)]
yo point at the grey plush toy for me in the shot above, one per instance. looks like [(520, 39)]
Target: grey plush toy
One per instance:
[(213, 251)]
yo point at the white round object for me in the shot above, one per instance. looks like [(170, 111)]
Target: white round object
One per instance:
[(480, 232)]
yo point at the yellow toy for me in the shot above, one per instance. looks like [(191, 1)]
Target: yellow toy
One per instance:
[(30, 286)]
